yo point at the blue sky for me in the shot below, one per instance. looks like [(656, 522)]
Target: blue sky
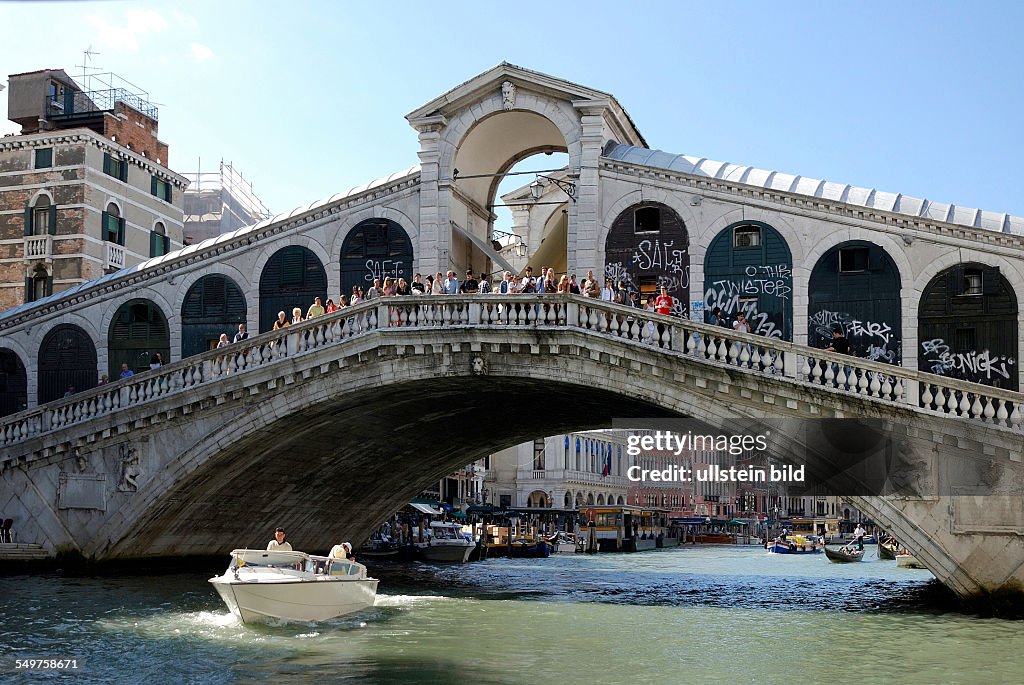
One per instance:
[(308, 98)]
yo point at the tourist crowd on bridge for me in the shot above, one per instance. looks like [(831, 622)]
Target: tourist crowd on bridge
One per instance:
[(546, 281)]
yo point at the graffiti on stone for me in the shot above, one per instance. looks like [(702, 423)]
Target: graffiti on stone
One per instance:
[(978, 366)]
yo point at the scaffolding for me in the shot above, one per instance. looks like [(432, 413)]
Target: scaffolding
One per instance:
[(218, 202)]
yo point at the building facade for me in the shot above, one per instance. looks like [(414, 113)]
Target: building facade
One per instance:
[(84, 188), (561, 472)]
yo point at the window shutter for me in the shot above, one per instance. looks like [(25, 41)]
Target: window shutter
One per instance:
[(28, 289), (956, 280), (106, 164), (124, 170), (990, 281), (120, 232), (152, 185), (153, 236), (49, 286), (168, 192), (28, 221), (874, 258), (104, 219), (51, 220)]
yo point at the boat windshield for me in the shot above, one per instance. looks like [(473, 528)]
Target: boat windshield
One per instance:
[(445, 533)]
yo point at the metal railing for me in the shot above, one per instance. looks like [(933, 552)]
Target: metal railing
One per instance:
[(840, 374)]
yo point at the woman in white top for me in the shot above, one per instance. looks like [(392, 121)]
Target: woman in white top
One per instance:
[(438, 286), (296, 316)]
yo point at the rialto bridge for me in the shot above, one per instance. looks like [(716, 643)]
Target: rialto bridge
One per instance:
[(315, 427)]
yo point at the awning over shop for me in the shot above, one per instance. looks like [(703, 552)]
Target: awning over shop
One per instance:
[(690, 521), (739, 522), (458, 515), (426, 508)]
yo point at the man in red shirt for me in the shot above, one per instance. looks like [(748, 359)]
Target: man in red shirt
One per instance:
[(663, 303)]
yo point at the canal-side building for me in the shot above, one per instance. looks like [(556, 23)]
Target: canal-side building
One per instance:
[(85, 188), (561, 471)]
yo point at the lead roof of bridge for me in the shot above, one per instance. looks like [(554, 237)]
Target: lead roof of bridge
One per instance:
[(813, 187)]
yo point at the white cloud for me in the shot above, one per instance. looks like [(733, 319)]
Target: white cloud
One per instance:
[(125, 35), (201, 53)]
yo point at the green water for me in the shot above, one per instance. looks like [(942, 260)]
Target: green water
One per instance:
[(694, 615)]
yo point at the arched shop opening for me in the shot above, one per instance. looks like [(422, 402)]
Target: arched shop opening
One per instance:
[(648, 247), (13, 383), (967, 326), (67, 358), (855, 288), (375, 248), (138, 331), (213, 305), (749, 268), (292, 278)]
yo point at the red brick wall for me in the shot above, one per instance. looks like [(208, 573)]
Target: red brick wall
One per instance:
[(136, 131)]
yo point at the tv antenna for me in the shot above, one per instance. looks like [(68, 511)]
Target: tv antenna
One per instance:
[(87, 55)]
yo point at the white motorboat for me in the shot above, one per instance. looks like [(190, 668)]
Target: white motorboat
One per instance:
[(446, 543), (261, 586)]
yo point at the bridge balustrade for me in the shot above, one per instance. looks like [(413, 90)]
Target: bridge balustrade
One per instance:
[(702, 343)]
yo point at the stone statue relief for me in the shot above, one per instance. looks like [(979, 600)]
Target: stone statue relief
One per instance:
[(508, 95), (131, 471)]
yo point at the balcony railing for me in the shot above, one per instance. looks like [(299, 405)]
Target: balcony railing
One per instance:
[(114, 258), (78, 103), (38, 246)]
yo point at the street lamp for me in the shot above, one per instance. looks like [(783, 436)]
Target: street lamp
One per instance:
[(537, 187)]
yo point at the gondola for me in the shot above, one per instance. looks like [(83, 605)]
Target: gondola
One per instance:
[(841, 556), (887, 550)]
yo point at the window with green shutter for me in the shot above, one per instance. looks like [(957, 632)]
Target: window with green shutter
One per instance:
[(113, 225), (160, 188), (113, 166), (159, 241)]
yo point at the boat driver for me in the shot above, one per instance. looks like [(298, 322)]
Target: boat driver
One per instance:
[(278, 543)]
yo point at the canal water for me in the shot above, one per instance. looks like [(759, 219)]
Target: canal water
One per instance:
[(689, 615)]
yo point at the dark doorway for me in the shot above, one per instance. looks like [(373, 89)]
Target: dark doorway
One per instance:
[(67, 358), (375, 248), (647, 248), (138, 331), (213, 305), (13, 383), (749, 268), (293, 277), (855, 287), (967, 326)]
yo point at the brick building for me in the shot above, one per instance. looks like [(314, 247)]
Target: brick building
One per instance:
[(84, 188)]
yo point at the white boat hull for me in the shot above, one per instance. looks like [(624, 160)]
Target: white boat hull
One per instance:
[(264, 586), (320, 600), (454, 553)]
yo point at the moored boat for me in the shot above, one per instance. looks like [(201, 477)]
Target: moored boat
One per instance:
[(908, 560), (794, 544), (446, 543), (844, 555), (380, 547), (887, 549), (261, 586)]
